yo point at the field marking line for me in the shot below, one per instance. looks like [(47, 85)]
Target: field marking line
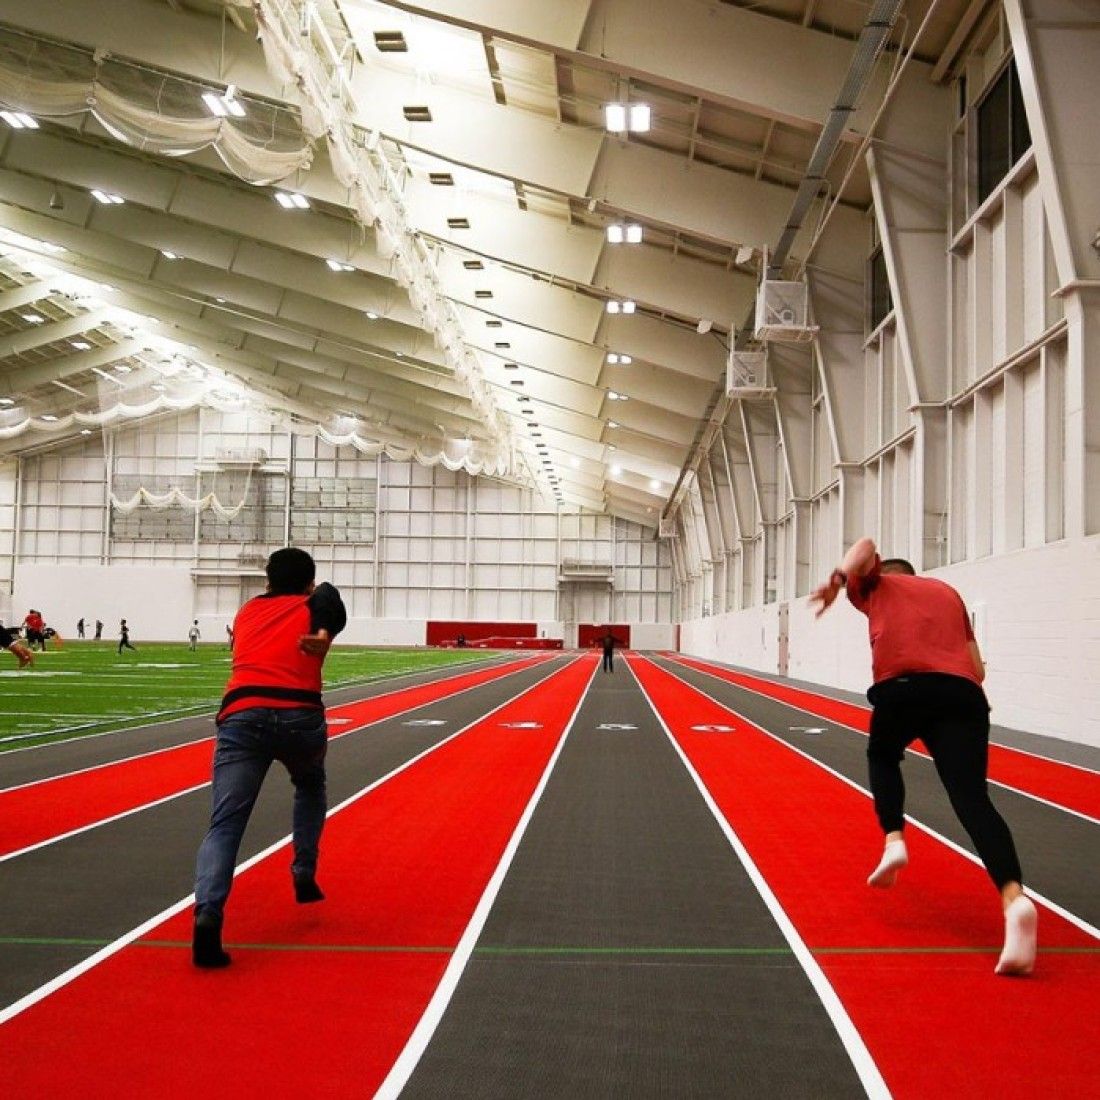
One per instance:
[(206, 783), (415, 1045), (82, 967), (853, 1043), (912, 752), (1064, 913)]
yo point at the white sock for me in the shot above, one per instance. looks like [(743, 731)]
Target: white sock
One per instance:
[(894, 858), (1021, 927)]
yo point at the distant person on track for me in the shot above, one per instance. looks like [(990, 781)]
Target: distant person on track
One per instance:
[(98, 630), (193, 635), (272, 710), (80, 628), (927, 683), (124, 638), (10, 640), (229, 637), (608, 643)]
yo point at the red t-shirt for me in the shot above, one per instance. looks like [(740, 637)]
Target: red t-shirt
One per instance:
[(269, 670), (917, 624)]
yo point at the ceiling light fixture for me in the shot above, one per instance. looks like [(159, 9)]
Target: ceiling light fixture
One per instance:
[(336, 265), (291, 202), (85, 431), (50, 417), (619, 117), (616, 470), (33, 319), (225, 104), (18, 120), (612, 423), (169, 255), (6, 401), (81, 345), (654, 484), (630, 234), (627, 306), (106, 198)]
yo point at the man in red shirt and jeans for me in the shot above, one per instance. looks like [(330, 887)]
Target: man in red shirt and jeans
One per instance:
[(272, 710), (928, 674)]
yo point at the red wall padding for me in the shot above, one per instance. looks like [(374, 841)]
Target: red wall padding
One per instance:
[(445, 633), (589, 634)]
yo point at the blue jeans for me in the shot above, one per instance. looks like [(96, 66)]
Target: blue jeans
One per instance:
[(248, 742)]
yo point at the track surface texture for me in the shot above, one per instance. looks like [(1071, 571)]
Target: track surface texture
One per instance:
[(554, 882)]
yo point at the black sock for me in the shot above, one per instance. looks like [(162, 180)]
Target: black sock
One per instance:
[(306, 889), (206, 946)]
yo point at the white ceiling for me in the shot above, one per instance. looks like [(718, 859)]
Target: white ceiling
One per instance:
[(516, 88)]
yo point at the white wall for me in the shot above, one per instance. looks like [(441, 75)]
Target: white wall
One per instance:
[(652, 636), (1038, 615), (154, 600)]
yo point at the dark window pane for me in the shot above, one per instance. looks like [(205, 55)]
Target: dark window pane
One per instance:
[(881, 300), (1021, 134), (994, 149)]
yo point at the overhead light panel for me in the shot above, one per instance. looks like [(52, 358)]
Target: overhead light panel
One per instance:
[(441, 179), (289, 201), (622, 233), (82, 345), (18, 120), (483, 293), (494, 323), (615, 306), (123, 368), (473, 265), (417, 114), (371, 315), (33, 318), (169, 255), (225, 104), (619, 118), (6, 401), (616, 470), (458, 223), (654, 484), (617, 359), (336, 265), (612, 423), (106, 198), (49, 416)]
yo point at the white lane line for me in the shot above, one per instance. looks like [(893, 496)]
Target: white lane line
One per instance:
[(199, 786), (127, 938), (683, 658), (211, 710), (856, 1049), (410, 1055), (1073, 919), (912, 752)]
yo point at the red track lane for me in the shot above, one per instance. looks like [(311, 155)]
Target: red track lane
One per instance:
[(1074, 788), (404, 867), (936, 1023), (54, 807)]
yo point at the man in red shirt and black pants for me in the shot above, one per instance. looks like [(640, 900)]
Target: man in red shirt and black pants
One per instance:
[(272, 710), (928, 674)]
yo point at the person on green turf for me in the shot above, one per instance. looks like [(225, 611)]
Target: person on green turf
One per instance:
[(124, 638), (193, 635), (10, 640), (272, 710), (928, 675)]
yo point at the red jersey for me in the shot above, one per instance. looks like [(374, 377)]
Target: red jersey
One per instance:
[(917, 624), (269, 670)]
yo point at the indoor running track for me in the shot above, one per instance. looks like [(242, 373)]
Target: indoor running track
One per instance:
[(560, 883)]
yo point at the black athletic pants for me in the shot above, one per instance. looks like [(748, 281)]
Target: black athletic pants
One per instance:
[(608, 661), (951, 716)]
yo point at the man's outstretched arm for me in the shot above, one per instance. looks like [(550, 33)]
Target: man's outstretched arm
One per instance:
[(858, 561)]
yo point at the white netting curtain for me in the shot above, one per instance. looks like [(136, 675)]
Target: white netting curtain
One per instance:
[(149, 110)]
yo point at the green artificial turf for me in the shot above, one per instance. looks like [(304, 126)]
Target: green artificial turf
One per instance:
[(88, 688)]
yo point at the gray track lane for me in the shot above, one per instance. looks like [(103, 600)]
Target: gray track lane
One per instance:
[(102, 883), (56, 758), (609, 966), (1060, 853)]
